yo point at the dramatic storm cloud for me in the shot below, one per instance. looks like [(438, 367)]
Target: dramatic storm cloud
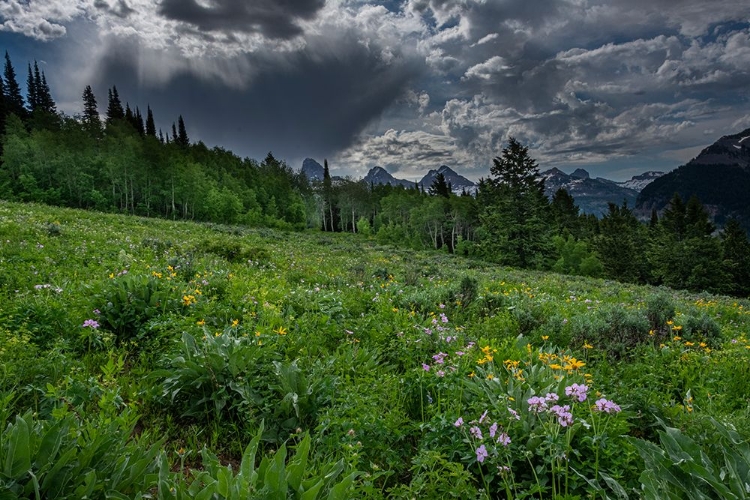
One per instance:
[(616, 87)]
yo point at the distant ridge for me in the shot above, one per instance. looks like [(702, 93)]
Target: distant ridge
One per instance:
[(719, 176)]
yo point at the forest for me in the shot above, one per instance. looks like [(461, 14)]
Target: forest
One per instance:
[(119, 162)]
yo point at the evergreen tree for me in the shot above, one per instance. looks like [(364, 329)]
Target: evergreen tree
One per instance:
[(161, 136), (3, 109), (13, 98), (114, 106), (138, 120), (735, 250), (565, 213), (44, 96), (329, 208), (31, 91), (129, 116), (182, 138), (621, 245), (516, 212), (174, 134), (150, 125), (90, 112), (439, 187), (683, 252)]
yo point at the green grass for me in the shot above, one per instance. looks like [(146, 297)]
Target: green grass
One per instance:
[(346, 364)]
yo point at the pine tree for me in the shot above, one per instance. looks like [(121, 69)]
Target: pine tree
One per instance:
[(114, 106), (439, 187), (565, 213), (516, 212), (3, 108), (328, 203), (31, 91), (736, 258), (90, 112), (150, 125), (138, 121), (13, 98), (44, 96), (161, 136), (174, 134), (182, 138)]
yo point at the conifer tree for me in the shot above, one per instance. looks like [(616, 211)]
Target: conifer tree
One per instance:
[(150, 125), (161, 136), (439, 187), (13, 98), (174, 134), (31, 91), (182, 138), (90, 112), (138, 121), (3, 106), (44, 96), (516, 211), (114, 106)]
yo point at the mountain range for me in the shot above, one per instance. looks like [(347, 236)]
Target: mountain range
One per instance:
[(719, 176), (591, 194)]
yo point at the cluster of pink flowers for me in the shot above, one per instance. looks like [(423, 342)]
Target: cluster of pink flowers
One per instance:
[(606, 406), (563, 414), (501, 438), (90, 323), (577, 391)]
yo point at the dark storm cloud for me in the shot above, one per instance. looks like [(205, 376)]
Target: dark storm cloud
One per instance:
[(271, 18), (308, 103)]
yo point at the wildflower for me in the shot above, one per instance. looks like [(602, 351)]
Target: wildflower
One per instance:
[(503, 469), (689, 344), (439, 358), (503, 439), (281, 330), (476, 432), (606, 406), (545, 337), (235, 322), (471, 375), (493, 429), (490, 376), (482, 454), (563, 414), (425, 367), (537, 404), (90, 323), (440, 373), (574, 364), (676, 338), (201, 322), (577, 391), (551, 396), (484, 416), (459, 422), (586, 345), (514, 413)]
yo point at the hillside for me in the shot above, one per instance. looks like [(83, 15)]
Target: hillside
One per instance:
[(719, 176), (146, 355)]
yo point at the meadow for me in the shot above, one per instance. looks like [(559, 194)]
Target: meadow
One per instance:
[(145, 358)]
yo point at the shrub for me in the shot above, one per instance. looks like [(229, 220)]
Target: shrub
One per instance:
[(614, 329)]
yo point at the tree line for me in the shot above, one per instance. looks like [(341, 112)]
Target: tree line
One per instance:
[(123, 163)]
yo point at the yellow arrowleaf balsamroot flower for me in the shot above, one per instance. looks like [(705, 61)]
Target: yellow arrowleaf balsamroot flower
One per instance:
[(281, 330)]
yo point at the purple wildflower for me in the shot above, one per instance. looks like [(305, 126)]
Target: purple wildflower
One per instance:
[(484, 415), (425, 367), (564, 417), (606, 406), (577, 391), (551, 396), (439, 358), (482, 454), (459, 422), (537, 404), (503, 439), (90, 323), (493, 430), (476, 432), (514, 413)]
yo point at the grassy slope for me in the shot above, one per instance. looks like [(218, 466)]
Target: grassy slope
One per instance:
[(353, 314)]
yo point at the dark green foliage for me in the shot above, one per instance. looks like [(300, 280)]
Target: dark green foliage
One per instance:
[(90, 111), (233, 250), (129, 301), (565, 213), (182, 138), (13, 99), (683, 252), (736, 258), (515, 212), (621, 245), (439, 187), (614, 329), (115, 110), (660, 309), (150, 124)]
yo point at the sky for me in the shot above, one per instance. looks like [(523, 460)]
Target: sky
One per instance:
[(616, 87)]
